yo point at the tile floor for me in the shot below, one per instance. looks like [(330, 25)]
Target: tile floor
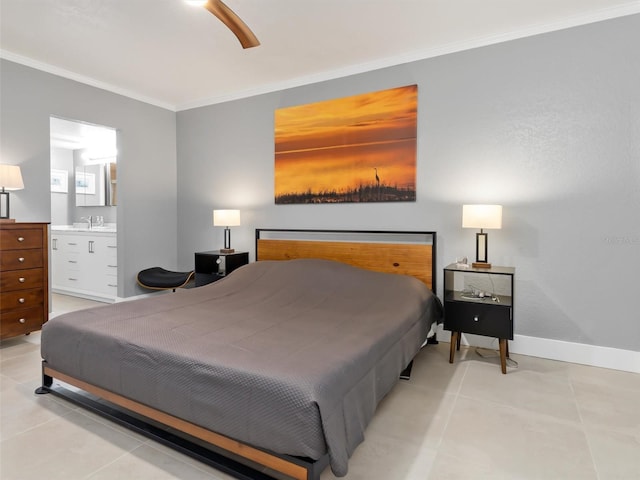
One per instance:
[(543, 420)]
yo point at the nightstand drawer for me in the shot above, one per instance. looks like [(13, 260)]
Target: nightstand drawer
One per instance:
[(491, 320)]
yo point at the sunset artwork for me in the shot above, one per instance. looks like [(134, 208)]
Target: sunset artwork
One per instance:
[(353, 149)]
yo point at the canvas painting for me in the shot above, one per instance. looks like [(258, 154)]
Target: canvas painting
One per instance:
[(354, 149)]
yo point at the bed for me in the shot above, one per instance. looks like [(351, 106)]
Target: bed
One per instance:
[(275, 370)]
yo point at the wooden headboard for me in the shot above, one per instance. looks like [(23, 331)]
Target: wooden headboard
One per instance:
[(407, 253)]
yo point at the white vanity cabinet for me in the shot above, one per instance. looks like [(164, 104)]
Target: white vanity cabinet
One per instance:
[(85, 264)]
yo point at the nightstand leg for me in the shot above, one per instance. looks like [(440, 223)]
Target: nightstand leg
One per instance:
[(504, 348), (455, 340), (459, 335)]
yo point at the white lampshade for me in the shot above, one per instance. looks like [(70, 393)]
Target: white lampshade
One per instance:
[(482, 216), (226, 218), (11, 177)]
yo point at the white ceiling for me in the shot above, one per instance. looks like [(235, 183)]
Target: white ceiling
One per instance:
[(176, 56)]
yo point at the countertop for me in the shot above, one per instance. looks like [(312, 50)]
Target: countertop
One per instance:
[(84, 228)]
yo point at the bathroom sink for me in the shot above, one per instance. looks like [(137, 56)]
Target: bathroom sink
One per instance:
[(80, 226), (103, 228)]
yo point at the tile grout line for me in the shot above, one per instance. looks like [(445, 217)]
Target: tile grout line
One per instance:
[(531, 412), (453, 406), (584, 429), (108, 464)]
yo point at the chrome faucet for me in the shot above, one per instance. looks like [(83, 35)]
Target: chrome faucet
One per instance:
[(89, 220)]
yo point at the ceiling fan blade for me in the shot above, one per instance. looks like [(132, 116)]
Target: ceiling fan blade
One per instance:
[(235, 24)]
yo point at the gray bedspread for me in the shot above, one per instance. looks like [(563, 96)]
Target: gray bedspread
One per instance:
[(290, 356)]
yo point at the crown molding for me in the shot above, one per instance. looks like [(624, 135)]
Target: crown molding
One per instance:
[(61, 72)]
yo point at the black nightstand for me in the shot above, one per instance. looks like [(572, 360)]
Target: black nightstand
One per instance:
[(479, 301), (214, 265)]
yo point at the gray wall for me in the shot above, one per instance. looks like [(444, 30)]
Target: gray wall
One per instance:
[(146, 213), (548, 126), (63, 204)]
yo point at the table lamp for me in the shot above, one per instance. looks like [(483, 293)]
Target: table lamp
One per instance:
[(10, 179), (481, 216), (226, 219)]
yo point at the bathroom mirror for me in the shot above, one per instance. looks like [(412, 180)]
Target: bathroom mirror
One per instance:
[(95, 183)]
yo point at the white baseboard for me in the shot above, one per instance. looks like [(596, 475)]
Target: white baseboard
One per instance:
[(142, 295), (96, 297), (593, 355)]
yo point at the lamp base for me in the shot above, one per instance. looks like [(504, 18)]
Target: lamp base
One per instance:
[(227, 250), (481, 265)]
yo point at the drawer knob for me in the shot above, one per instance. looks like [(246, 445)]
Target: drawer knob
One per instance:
[(21, 239), (21, 300), (23, 320), (22, 279), (21, 259), (475, 318)]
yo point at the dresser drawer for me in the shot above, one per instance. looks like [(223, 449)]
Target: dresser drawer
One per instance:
[(20, 299), (19, 238), (491, 320), (21, 279), (21, 259), (21, 321)]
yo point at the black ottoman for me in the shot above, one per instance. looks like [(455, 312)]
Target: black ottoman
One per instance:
[(157, 278)]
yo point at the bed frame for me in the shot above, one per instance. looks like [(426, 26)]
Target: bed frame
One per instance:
[(409, 253)]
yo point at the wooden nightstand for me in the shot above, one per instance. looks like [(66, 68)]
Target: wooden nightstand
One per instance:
[(214, 265), (479, 301)]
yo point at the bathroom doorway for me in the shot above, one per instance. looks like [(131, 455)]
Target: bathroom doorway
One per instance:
[(84, 195)]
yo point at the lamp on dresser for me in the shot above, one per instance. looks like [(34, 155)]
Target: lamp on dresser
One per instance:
[(10, 179), (226, 219), (481, 216)]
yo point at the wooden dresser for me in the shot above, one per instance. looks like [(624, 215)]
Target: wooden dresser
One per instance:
[(24, 278)]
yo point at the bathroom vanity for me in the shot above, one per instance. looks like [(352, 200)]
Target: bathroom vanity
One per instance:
[(85, 262)]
